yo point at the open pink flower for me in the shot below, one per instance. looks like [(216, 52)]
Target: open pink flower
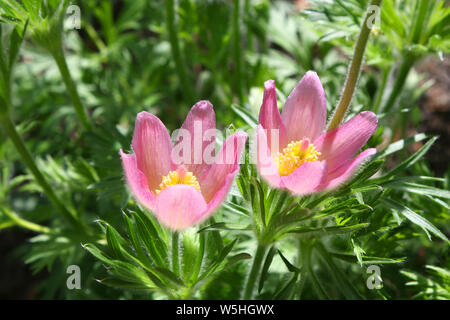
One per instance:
[(295, 153), (181, 194)]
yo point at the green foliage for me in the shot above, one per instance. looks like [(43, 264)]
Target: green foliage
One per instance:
[(45, 19), (367, 212), (435, 286), (393, 213), (140, 262)]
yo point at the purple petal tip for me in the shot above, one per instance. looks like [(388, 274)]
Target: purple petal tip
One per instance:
[(269, 84)]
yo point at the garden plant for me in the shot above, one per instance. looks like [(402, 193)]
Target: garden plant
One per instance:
[(245, 149)]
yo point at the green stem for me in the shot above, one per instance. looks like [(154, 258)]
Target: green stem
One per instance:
[(95, 37), (419, 21), (381, 89), (408, 58), (7, 224), (58, 55), (175, 253), (354, 70), (255, 270), (300, 265), (237, 50), (399, 83), (315, 202), (171, 25), (307, 263), (24, 223), (29, 162), (199, 259), (249, 38), (340, 278)]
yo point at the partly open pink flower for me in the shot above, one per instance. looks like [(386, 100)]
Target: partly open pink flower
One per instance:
[(295, 153), (181, 194)]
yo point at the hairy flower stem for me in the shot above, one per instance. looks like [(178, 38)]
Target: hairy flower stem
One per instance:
[(354, 70), (11, 131), (58, 55), (171, 25), (255, 270)]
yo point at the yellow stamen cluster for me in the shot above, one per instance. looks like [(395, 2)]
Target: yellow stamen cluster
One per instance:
[(294, 155), (174, 178)]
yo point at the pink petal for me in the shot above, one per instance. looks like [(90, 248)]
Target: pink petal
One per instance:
[(305, 113), (343, 173), (226, 162), (270, 118), (180, 206), (306, 178), (137, 181), (199, 119), (220, 195), (341, 144), (266, 166), (152, 147)]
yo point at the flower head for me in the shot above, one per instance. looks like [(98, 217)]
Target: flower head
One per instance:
[(295, 153), (181, 192)]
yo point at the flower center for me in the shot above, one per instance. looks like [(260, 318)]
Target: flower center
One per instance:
[(180, 176), (294, 155)]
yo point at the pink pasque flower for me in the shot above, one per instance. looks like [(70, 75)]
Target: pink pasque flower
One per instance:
[(295, 153), (181, 194)]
